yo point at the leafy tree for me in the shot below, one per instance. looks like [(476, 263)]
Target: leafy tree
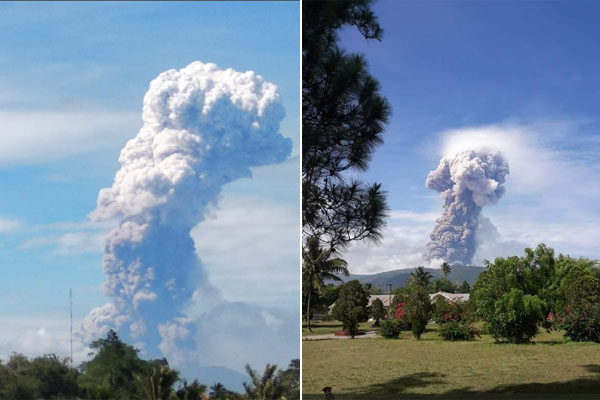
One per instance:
[(464, 287), (290, 380), (377, 311), (446, 269), (513, 296), (266, 386), (443, 285), (46, 377), (418, 308), (420, 277), (580, 295), (317, 266), (351, 306), (343, 121), (112, 369), (56, 378)]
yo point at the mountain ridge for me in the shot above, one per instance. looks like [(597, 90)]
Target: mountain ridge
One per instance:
[(398, 277)]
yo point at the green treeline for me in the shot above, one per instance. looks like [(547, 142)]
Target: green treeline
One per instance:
[(512, 299), (116, 372)]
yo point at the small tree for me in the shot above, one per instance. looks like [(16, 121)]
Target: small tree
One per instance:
[(351, 306), (418, 308), (318, 265), (464, 287), (377, 311), (444, 285)]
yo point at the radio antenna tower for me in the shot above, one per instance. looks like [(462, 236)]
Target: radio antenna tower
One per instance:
[(71, 320)]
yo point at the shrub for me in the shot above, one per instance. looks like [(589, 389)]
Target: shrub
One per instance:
[(441, 308), (583, 326), (389, 328), (458, 330)]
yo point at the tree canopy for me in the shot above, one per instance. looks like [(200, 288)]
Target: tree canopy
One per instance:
[(343, 121)]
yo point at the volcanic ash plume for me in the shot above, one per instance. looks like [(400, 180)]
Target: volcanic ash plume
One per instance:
[(202, 128), (467, 181)]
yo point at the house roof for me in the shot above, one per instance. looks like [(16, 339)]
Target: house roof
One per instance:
[(457, 297), (385, 298)]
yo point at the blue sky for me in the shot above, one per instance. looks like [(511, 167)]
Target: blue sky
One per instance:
[(519, 77), (72, 80)]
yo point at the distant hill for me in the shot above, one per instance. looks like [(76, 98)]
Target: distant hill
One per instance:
[(232, 380), (398, 277)]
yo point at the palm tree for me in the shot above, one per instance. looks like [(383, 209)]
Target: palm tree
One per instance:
[(317, 265), (265, 387), (195, 391), (216, 390), (421, 277), (446, 269), (158, 385)]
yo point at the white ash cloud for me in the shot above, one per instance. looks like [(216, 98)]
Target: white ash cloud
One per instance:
[(467, 181), (202, 128)]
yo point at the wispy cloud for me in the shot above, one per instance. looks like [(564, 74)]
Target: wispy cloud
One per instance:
[(9, 225), (38, 136)]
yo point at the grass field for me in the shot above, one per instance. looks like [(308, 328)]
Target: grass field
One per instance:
[(405, 368)]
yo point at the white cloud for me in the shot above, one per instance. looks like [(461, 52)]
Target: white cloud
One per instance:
[(258, 263), (402, 246), (9, 225), (35, 336), (39, 136), (67, 237)]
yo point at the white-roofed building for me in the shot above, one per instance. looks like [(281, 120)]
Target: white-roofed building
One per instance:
[(455, 297)]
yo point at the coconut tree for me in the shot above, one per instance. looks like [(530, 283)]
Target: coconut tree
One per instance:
[(266, 386), (446, 269), (216, 390), (421, 277), (319, 265), (158, 384), (194, 391)]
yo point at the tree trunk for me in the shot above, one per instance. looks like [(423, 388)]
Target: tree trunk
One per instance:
[(308, 311)]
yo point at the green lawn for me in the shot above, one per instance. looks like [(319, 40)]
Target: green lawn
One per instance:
[(320, 328), (405, 368)]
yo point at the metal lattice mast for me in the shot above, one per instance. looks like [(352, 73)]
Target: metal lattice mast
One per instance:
[(71, 320)]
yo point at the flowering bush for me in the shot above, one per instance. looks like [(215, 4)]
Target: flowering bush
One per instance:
[(582, 325), (399, 311), (455, 323), (458, 330), (402, 322)]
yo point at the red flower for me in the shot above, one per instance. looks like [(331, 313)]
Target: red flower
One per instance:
[(550, 317), (399, 312), (568, 310)]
